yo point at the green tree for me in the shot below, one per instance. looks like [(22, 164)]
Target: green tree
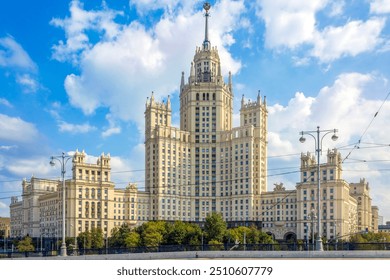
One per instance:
[(97, 238), (370, 240), (25, 245), (90, 239), (84, 240), (176, 233), (119, 235), (215, 245), (215, 227), (265, 238), (133, 239), (153, 233), (193, 235), (253, 236)]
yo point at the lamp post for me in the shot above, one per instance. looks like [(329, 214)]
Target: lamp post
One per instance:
[(312, 216), (318, 148), (335, 235), (62, 159), (106, 243), (75, 241)]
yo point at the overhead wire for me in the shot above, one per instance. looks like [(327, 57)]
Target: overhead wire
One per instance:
[(356, 146)]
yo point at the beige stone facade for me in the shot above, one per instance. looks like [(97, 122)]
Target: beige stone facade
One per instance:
[(206, 165), (91, 201), (345, 207), (5, 231)]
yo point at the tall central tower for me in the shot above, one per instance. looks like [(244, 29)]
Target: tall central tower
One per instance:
[(206, 165)]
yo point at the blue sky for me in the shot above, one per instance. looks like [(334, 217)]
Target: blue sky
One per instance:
[(76, 75)]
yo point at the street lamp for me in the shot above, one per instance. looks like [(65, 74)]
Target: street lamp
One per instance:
[(75, 241), (62, 159), (335, 234), (318, 148), (312, 216)]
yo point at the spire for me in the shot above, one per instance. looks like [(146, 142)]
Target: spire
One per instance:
[(169, 102), (230, 81), (152, 99), (206, 42), (182, 81), (192, 73), (258, 97), (242, 101)]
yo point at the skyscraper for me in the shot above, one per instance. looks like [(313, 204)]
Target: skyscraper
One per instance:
[(206, 165)]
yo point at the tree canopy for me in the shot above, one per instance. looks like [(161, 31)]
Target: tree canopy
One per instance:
[(25, 245)]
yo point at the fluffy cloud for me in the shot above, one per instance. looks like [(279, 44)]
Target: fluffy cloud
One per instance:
[(336, 8), (14, 57), (121, 70), (112, 129), (34, 166), (349, 40), (27, 83), (293, 24), (5, 102), (7, 148), (289, 23), (380, 6), (17, 130), (75, 28), (75, 128), (345, 105)]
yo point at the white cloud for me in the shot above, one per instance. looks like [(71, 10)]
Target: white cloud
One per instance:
[(336, 8), (28, 83), (76, 26), (349, 40), (293, 24), (75, 128), (34, 166), (346, 105), (16, 129), (12, 55), (380, 6), (7, 148), (120, 71), (289, 23), (5, 102), (113, 128), (111, 131)]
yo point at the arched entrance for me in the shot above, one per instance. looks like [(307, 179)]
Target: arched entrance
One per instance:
[(290, 237)]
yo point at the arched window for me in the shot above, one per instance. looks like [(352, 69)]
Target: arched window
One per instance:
[(197, 96)]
